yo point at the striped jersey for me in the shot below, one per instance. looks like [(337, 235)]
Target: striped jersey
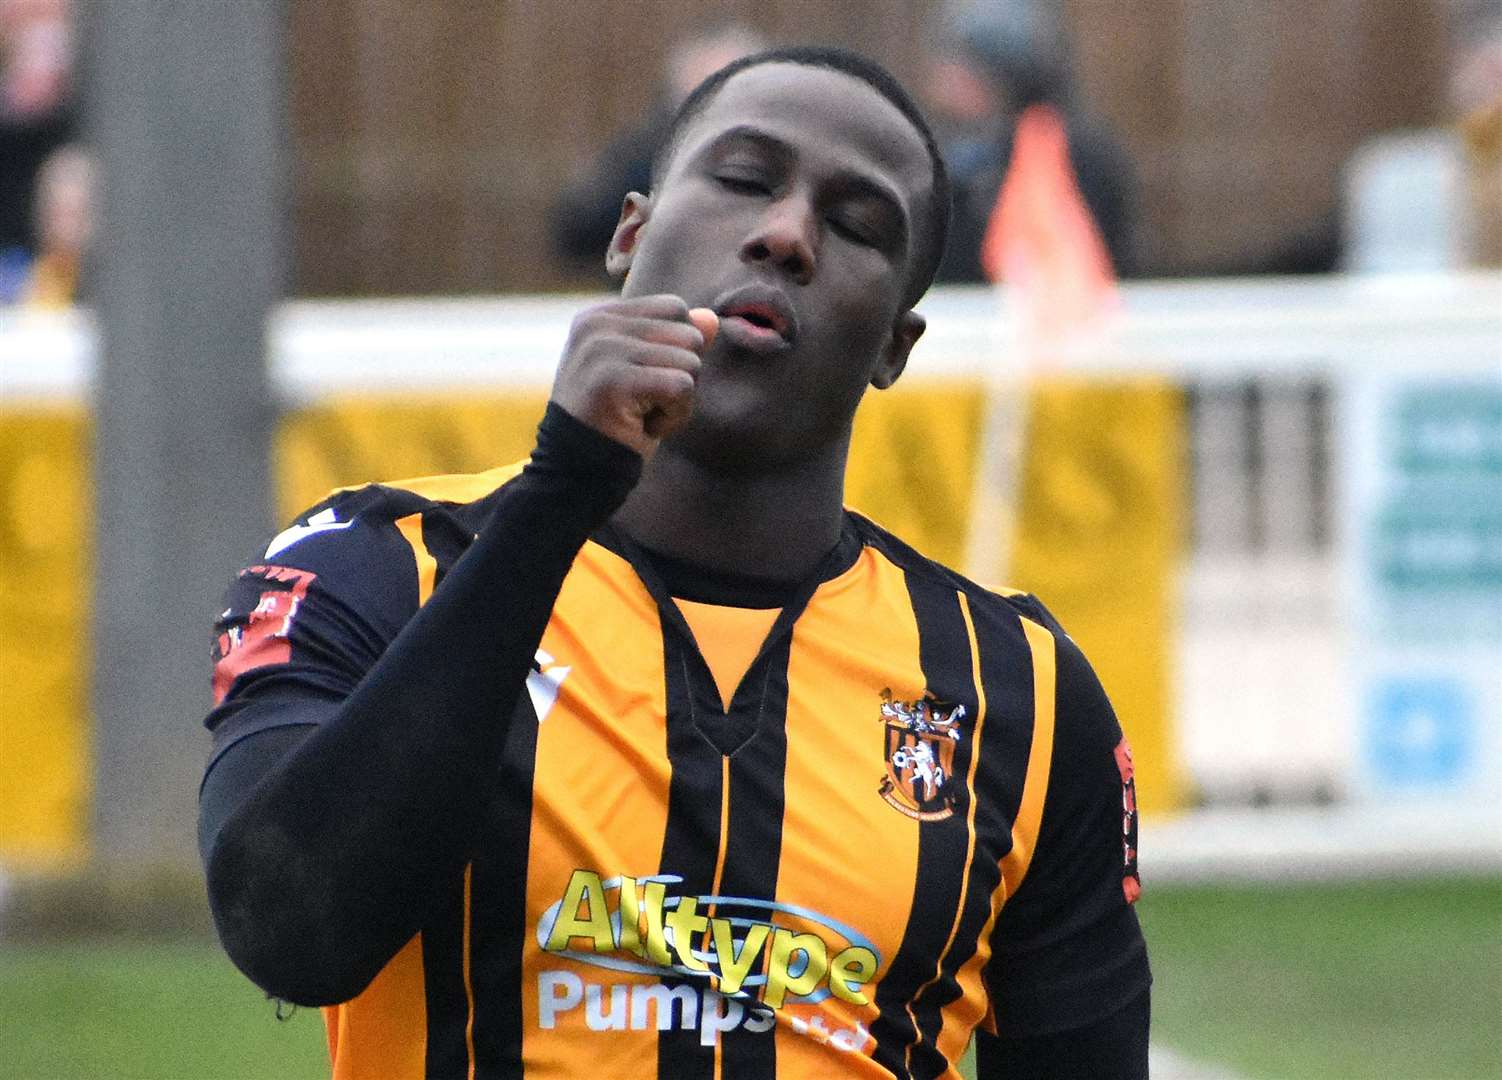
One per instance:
[(910, 817)]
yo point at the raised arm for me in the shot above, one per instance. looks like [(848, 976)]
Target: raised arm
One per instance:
[(346, 789)]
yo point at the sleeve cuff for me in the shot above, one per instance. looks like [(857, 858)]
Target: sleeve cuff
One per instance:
[(567, 447)]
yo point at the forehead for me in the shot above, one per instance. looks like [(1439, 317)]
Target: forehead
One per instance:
[(829, 117)]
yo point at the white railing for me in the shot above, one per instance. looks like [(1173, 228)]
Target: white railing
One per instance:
[(1294, 388)]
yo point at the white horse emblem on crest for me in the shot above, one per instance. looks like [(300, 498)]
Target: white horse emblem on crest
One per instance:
[(921, 737)]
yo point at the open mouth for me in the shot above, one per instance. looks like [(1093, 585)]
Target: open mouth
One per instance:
[(758, 317)]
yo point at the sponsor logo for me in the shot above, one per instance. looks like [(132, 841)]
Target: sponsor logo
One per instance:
[(761, 952), (920, 740), (321, 522), (656, 1007), (544, 682)]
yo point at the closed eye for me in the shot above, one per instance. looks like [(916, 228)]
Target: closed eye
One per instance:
[(852, 232), (743, 185)]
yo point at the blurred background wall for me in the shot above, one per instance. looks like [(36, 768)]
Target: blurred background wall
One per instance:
[(429, 140)]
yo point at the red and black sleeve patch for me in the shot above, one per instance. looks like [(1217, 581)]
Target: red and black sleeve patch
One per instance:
[(255, 630), (1131, 882)]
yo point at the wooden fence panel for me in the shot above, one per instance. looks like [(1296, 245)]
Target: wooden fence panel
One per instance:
[(430, 138)]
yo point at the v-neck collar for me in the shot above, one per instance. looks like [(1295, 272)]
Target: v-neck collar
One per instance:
[(727, 729)]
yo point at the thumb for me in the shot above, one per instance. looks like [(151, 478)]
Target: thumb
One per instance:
[(706, 322)]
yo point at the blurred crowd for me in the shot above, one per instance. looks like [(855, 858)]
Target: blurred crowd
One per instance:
[(1032, 162), (46, 177), (1024, 145), (1476, 99), (999, 80), (1431, 198)]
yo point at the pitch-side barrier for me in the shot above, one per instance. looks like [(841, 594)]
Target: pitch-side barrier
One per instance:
[(1270, 510)]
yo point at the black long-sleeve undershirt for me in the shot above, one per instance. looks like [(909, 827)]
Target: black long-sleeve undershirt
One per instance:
[(1112, 1048), (322, 843)]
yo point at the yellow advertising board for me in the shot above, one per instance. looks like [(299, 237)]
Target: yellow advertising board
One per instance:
[(45, 501), (371, 439), (1097, 540)]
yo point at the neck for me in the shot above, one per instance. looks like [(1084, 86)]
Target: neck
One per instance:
[(768, 525)]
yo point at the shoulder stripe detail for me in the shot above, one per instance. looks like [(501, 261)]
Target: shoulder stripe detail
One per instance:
[(427, 567), (1040, 757)]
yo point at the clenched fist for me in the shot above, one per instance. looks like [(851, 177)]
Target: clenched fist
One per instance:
[(630, 367)]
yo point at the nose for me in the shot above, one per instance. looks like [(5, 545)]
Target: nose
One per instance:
[(786, 236)]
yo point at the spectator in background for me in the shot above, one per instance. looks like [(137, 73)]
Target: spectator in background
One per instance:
[(1476, 96), (1431, 198), (36, 117), (64, 223), (995, 60), (585, 215)]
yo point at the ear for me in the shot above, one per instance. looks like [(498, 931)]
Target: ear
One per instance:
[(905, 334), (635, 210)]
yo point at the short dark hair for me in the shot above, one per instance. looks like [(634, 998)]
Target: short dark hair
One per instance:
[(931, 249)]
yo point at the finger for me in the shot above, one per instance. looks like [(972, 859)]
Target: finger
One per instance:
[(707, 323), (659, 306), (645, 354), (658, 385), (681, 335)]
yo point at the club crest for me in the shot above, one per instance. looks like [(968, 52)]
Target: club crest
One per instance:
[(920, 740)]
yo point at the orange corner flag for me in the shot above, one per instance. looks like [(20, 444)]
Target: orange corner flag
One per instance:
[(1041, 237)]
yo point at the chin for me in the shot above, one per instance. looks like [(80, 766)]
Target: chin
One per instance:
[(734, 448), (731, 453)]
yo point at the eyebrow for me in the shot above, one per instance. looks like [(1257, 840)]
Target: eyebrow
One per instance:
[(854, 183)]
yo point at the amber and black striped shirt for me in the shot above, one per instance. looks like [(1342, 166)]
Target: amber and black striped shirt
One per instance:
[(912, 819)]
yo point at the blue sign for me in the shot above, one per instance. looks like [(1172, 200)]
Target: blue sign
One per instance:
[(1420, 732)]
